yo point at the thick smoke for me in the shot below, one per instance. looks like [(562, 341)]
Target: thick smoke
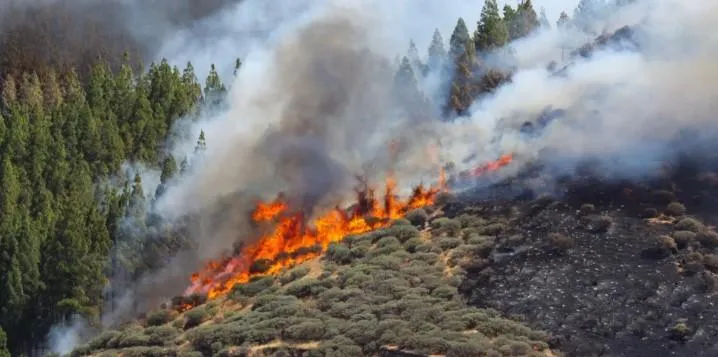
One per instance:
[(313, 106)]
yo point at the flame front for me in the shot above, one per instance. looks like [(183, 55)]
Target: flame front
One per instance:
[(294, 240)]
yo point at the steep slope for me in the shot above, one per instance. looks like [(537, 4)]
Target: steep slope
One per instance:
[(390, 292)]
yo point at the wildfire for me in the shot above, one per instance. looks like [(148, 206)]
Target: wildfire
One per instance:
[(294, 239)]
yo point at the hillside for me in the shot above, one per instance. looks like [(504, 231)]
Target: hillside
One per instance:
[(392, 291), (619, 269)]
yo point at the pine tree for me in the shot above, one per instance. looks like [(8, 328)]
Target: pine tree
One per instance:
[(214, 89), (169, 170), (492, 32), (563, 20), (543, 20), (201, 146), (524, 21), (414, 58), (406, 87), (459, 38), (437, 53)]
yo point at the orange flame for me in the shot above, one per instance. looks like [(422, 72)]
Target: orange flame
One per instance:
[(293, 240)]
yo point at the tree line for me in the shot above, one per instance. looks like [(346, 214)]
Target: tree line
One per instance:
[(66, 200)]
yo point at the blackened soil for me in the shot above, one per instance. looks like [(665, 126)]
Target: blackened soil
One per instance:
[(612, 293)]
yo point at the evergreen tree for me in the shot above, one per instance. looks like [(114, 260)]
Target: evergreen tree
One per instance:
[(587, 14), (524, 21), (237, 66), (459, 38), (201, 146), (492, 32), (437, 53), (3, 344), (169, 170), (414, 58), (543, 20), (214, 89), (563, 20)]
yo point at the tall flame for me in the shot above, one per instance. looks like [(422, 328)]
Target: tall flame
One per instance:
[(294, 239)]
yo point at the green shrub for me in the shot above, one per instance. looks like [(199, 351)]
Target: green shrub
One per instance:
[(675, 209), (689, 224), (400, 222), (294, 274), (470, 221), (253, 287), (683, 238), (444, 292), (428, 247), (133, 338), (307, 330), (708, 238), (445, 225), (468, 349), (446, 243), (417, 217), (338, 253), (492, 229), (160, 317), (101, 341), (306, 287), (162, 335), (412, 244), (404, 233), (195, 317)]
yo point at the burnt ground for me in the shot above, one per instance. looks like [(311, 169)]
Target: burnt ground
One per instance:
[(619, 291)]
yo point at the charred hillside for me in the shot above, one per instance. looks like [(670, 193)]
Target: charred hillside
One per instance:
[(607, 268)]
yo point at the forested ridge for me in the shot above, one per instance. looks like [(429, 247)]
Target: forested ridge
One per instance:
[(67, 128)]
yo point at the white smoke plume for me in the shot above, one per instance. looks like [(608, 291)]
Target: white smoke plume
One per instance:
[(312, 106)]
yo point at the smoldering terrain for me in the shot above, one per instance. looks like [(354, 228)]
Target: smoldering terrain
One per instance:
[(316, 107)]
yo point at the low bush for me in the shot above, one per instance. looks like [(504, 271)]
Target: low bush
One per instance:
[(307, 330), (338, 253), (689, 224), (707, 238), (683, 238), (253, 287), (445, 225), (587, 209), (160, 317), (294, 274), (417, 217), (598, 223), (675, 209), (195, 317), (561, 242), (447, 243), (492, 229)]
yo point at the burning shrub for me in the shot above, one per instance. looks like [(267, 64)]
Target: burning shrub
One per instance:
[(160, 317), (707, 238), (598, 223), (561, 242), (294, 274), (689, 224), (308, 330), (675, 209), (195, 317), (260, 266), (445, 225), (417, 217), (683, 238)]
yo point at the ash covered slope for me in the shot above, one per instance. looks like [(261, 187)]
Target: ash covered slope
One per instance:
[(617, 269), (391, 292)]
